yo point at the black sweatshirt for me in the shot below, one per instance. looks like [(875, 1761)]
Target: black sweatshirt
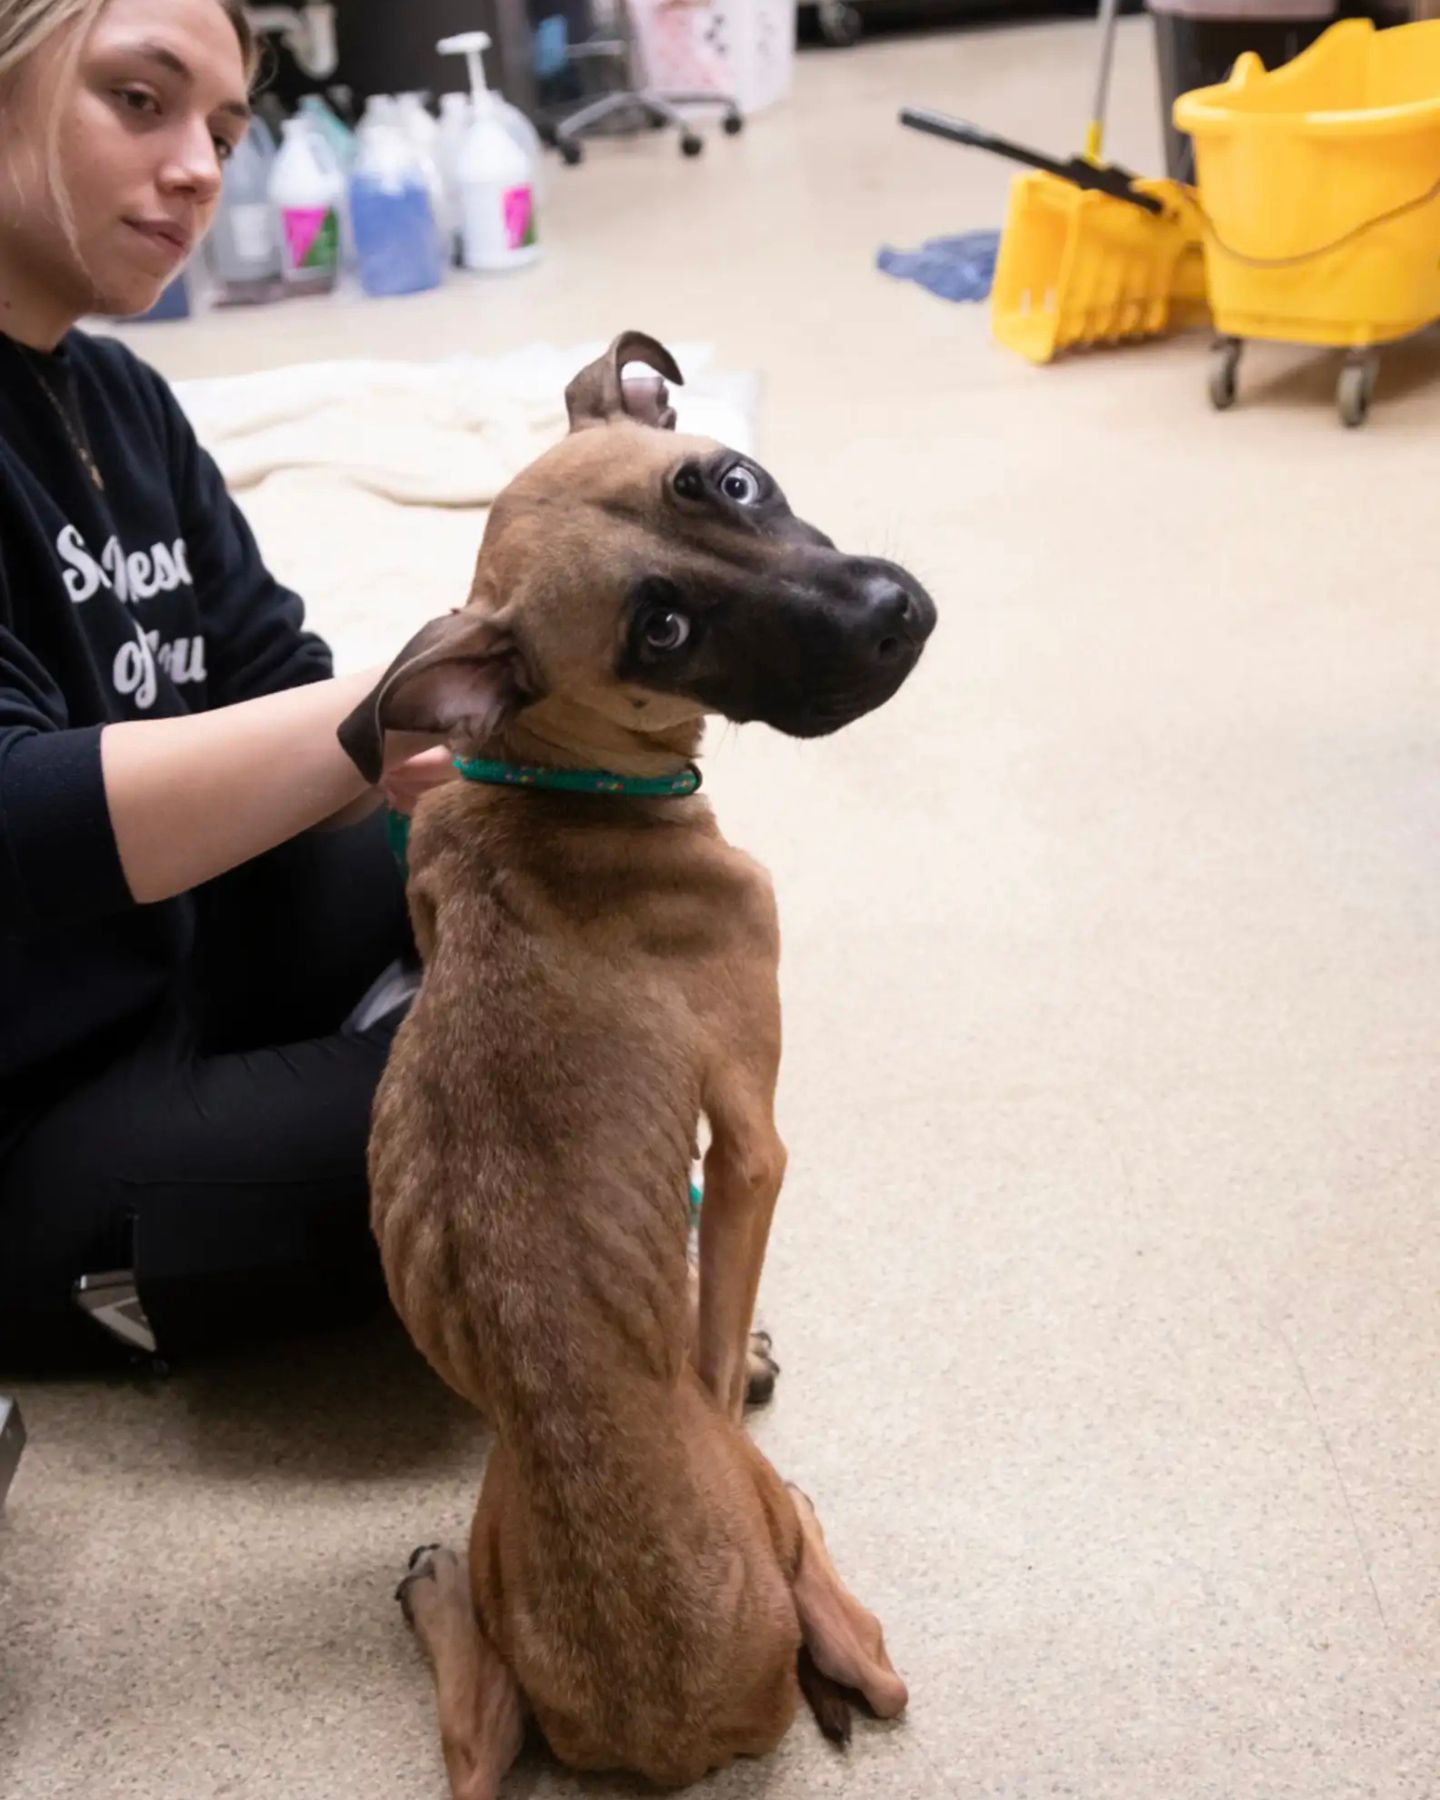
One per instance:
[(130, 588)]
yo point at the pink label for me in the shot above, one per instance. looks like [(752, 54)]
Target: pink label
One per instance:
[(309, 236), (519, 218)]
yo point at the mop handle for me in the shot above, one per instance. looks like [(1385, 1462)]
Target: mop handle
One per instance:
[(1095, 131), (1102, 177), (961, 131)]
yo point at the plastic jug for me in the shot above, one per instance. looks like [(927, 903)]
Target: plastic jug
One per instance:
[(306, 190), (332, 128), (495, 173), (397, 246), (526, 137), (424, 136), (419, 126), (242, 251), (454, 123), (336, 156)]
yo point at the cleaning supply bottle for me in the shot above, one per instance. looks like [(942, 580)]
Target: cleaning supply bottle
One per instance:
[(418, 123), (306, 191), (516, 122), (454, 123), (380, 109), (527, 137), (397, 245), (337, 134), (424, 135), (242, 250), (495, 177), (336, 159)]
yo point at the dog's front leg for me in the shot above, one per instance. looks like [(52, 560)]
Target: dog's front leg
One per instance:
[(744, 1169)]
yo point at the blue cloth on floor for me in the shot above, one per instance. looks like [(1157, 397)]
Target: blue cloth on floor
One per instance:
[(955, 268)]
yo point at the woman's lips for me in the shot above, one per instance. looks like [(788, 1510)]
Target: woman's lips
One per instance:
[(172, 240)]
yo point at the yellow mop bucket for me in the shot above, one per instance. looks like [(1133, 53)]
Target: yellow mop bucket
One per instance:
[(1078, 267), (1320, 189)]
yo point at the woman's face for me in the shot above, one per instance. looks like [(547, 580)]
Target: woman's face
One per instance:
[(156, 105)]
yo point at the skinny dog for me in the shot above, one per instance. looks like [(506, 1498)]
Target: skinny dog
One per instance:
[(600, 975)]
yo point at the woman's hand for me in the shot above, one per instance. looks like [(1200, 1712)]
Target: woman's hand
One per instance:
[(413, 765)]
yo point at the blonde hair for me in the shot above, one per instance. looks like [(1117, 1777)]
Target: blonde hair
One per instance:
[(26, 26)]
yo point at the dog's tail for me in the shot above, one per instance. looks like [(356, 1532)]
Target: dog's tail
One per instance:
[(829, 1702)]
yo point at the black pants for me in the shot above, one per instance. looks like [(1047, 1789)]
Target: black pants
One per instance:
[(222, 1156)]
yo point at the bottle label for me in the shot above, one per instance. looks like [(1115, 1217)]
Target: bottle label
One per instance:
[(312, 237), (253, 230), (519, 203)]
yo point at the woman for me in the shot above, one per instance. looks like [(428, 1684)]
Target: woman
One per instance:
[(184, 1084)]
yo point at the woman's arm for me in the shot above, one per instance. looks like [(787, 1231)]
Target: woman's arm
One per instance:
[(192, 797)]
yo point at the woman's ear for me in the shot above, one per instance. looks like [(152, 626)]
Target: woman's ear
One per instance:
[(463, 673)]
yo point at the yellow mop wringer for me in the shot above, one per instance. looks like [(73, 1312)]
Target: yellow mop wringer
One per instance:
[(1091, 253)]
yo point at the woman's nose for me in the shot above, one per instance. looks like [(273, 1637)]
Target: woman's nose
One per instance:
[(194, 167)]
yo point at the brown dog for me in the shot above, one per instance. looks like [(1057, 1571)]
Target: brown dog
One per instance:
[(600, 972)]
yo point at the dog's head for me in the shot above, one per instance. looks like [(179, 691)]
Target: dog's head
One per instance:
[(651, 579)]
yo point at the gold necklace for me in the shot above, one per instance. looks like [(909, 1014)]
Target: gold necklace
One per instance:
[(76, 437)]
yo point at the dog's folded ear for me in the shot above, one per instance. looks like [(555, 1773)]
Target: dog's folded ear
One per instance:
[(600, 394), (462, 674)]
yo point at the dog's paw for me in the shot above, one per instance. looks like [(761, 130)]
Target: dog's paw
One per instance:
[(761, 1370), (426, 1564)]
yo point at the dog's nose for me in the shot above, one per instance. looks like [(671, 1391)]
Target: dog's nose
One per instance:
[(892, 616)]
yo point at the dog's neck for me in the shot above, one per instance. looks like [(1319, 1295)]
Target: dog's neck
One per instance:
[(564, 734)]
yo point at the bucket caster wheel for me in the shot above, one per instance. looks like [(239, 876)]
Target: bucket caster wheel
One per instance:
[(1356, 387), (690, 145), (570, 151), (733, 124), (1224, 382)]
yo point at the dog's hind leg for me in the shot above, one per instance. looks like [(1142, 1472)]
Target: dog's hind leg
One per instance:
[(482, 1722), (843, 1637)]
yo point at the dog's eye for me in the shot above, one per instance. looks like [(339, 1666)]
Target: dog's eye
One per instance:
[(740, 485), (666, 631), (689, 483)]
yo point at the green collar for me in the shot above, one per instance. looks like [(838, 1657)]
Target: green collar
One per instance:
[(580, 781), (564, 781)]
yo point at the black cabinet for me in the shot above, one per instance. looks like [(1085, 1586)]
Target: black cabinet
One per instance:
[(388, 46)]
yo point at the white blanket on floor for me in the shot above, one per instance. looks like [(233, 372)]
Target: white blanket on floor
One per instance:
[(366, 483)]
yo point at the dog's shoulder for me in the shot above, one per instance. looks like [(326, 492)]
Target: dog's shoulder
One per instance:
[(750, 889), (738, 902)]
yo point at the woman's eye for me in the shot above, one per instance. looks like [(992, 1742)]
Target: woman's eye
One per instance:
[(740, 485), (666, 630), (224, 149), (138, 101)]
